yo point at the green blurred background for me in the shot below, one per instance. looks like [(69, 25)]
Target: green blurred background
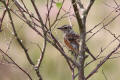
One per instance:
[(54, 66)]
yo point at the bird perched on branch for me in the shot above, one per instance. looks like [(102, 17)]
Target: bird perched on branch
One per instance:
[(71, 39)]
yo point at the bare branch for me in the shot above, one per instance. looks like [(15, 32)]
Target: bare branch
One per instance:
[(56, 18), (104, 75), (38, 14), (77, 16), (48, 12), (103, 26), (88, 9), (102, 50), (45, 30), (3, 15), (82, 30), (16, 64), (88, 51), (19, 41), (112, 34), (42, 55), (101, 22), (102, 62), (116, 2), (80, 4)]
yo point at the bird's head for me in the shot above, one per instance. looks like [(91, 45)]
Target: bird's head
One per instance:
[(65, 28)]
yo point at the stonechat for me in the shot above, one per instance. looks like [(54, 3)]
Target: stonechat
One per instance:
[(71, 39)]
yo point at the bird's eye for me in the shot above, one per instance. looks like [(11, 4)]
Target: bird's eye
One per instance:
[(65, 27)]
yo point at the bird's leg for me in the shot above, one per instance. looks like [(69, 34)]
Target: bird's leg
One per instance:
[(72, 53)]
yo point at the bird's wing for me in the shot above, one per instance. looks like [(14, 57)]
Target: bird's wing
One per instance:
[(74, 37)]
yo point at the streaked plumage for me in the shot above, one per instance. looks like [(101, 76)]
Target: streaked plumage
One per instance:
[(71, 39)]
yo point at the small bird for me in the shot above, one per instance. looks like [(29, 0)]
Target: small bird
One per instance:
[(71, 39)]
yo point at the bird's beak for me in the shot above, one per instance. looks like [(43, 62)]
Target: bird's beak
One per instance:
[(59, 28)]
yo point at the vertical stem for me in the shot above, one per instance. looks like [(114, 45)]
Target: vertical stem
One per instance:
[(81, 60), (82, 30), (76, 11), (82, 54)]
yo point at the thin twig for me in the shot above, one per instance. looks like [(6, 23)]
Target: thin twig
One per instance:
[(42, 55), (16, 64), (103, 26), (87, 10), (15, 33), (89, 52), (116, 3), (3, 15), (90, 31), (102, 50), (56, 18), (104, 75), (102, 62)]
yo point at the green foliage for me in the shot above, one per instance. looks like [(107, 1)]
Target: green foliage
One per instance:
[(58, 4)]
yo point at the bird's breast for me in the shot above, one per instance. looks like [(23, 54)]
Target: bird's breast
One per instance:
[(68, 44)]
